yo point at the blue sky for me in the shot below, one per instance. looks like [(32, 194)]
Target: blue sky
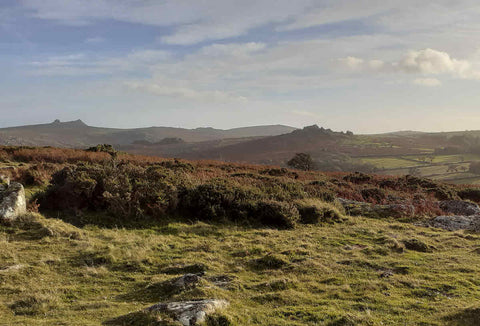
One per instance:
[(366, 65)]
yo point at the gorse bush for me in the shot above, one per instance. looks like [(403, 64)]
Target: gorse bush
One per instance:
[(124, 191), (135, 188), (218, 200), (313, 211)]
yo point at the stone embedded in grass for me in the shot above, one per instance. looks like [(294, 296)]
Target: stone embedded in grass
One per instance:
[(417, 245), (12, 201), (189, 313), (453, 223)]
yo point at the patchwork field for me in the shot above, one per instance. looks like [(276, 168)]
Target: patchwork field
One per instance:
[(450, 168)]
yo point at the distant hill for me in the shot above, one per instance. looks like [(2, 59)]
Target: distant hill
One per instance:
[(277, 149), (78, 134)]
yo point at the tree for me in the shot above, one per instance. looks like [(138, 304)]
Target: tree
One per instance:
[(301, 161)]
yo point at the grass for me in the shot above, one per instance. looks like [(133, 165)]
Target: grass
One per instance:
[(388, 162), (334, 274)]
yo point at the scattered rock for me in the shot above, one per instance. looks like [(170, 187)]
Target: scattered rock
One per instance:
[(356, 208), (189, 313), (386, 274), (453, 223), (417, 245), (222, 281), (186, 281), (165, 290), (460, 207), (15, 267), (12, 201)]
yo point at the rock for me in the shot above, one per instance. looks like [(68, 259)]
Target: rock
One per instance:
[(386, 274), (15, 267), (356, 208), (12, 202), (189, 313), (460, 207), (457, 222), (186, 281), (222, 281)]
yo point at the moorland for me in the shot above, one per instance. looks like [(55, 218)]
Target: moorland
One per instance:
[(107, 232)]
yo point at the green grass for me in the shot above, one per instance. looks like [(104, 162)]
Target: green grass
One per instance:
[(312, 275), (389, 162)]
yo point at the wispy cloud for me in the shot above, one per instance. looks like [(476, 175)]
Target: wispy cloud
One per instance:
[(423, 62), (428, 82)]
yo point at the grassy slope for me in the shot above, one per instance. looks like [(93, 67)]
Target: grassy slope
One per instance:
[(331, 276)]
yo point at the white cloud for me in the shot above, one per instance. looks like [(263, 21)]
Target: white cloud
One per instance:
[(194, 21), (428, 82), (184, 92), (424, 62), (81, 64), (429, 61)]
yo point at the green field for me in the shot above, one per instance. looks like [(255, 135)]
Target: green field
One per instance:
[(438, 168)]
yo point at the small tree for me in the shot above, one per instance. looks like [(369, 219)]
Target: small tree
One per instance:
[(301, 161)]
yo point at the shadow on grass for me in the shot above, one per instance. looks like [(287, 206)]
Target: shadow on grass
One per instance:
[(466, 317)]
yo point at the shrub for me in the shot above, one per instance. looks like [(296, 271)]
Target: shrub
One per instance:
[(218, 200), (472, 194), (301, 161), (277, 214), (314, 211), (376, 195), (124, 191), (357, 177)]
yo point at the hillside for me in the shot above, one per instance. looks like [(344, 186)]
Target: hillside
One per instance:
[(78, 134), (444, 156), (280, 247)]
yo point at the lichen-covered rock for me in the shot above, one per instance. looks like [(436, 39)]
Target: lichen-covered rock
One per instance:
[(12, 202), (453, 223), (356, 208), (189, 313), (186, 281), (460, 207)]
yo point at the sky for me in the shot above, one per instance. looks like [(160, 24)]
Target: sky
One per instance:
[(368, 66)]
